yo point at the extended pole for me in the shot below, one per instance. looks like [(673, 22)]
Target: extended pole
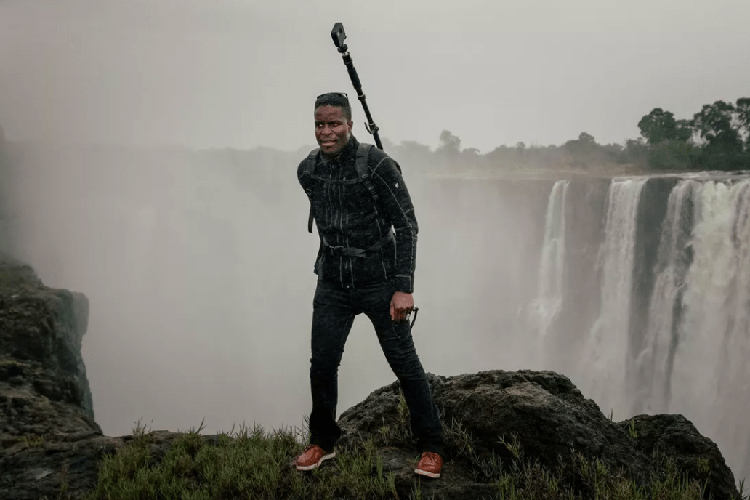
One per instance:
[(338, 35)]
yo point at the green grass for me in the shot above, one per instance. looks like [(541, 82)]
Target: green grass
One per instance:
[(254, 464), (248, 464)]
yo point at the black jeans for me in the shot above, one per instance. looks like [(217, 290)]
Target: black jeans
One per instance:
[(334, 309)]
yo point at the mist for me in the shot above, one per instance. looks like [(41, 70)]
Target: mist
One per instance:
[(155, 148), (198, 268)]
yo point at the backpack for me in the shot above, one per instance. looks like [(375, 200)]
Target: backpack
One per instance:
[(360, 165)]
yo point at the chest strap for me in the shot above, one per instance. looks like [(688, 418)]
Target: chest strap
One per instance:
[(357, 252), (360, 165)]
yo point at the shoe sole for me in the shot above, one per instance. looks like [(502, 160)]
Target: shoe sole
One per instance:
[(317, 464), (426, 473)]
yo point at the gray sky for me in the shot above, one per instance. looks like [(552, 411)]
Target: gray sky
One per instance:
[(244, 73)]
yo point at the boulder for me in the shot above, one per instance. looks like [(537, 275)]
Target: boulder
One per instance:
[(675, 437), (536, 418)]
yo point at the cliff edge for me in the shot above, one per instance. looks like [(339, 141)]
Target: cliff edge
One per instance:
[(495, 422)]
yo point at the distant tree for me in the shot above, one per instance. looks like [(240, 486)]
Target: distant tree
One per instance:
[(414, 155), (683, 130), (415, 148), (668, 140), (449, 143), (635, 152), (714, 123), (581, 146), (586, 138), (580, 151), (742, 108), (657, 126), (504, 157), (672, 154), (449, 150), (470, 158), (613, 150)]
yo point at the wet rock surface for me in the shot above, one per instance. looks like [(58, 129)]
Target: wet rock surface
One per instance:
[(676, 437), (56, 467), (47, 427), (51, 447), (550, 422), (43, 384)]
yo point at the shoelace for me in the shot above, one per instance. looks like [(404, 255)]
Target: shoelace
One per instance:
[(431, 455)]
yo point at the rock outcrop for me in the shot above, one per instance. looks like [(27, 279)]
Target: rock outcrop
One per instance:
[(45, 401), (50, 446), (537, 417), (42, 373)]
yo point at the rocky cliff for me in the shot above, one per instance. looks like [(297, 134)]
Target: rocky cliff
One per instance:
[(41, 330), (44, 392), (50, 446)]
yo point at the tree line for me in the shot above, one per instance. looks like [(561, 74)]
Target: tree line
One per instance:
[(715, 138)]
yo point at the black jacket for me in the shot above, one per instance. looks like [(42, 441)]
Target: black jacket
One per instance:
[(347, 215)]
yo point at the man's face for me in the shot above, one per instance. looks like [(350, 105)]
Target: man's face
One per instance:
[(332, 130)]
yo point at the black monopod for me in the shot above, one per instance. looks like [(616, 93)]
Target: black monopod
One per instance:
[(338, 35)]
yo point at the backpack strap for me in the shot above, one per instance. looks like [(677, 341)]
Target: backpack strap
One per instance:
[(308, 170), (363, 171), (360, 165)]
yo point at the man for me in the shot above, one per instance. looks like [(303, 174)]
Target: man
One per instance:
[(362, 267)]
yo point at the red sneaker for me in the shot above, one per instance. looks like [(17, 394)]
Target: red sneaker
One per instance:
[(312, 457), (429, 465)]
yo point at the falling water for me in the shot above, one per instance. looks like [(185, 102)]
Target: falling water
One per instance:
[(550, 290), (602, 368), (710, 379), (695, 348), (654, 363), (734, 388)]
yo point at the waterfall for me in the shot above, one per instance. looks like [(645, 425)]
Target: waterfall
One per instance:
[(735, 385), (654, 363), (602, 368), (548, 304), (711, 371), (688, 350)]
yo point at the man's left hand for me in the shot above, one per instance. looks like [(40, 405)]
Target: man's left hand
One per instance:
[(402, 304)]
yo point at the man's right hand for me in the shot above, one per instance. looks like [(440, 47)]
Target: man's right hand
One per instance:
[(402, 304)]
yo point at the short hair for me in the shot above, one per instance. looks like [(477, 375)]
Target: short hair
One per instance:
[(338, 99)]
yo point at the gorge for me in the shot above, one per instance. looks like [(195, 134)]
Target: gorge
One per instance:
[(636, 288)]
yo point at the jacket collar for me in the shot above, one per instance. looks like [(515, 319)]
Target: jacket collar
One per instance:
[(349, 152)]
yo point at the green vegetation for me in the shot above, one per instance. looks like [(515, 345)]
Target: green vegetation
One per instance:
[(33, 441), (715, 138), (249, 463), (254, 464)]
